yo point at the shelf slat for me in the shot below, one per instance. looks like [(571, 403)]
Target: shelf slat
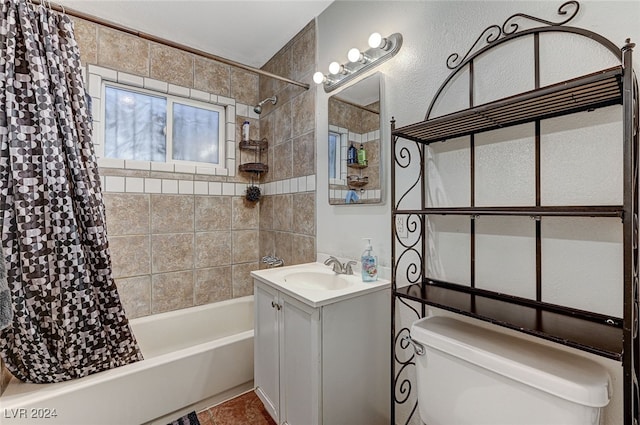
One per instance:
[(550, 211), (591, 91), (571, 330), (357, 166), (254, 144), (254, 167)]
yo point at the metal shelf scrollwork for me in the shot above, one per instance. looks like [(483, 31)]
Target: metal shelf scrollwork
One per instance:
[(494, 32)]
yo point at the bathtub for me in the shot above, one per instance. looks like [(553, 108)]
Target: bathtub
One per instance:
[(194, 358)]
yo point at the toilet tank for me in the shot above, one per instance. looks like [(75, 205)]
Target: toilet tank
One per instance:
[(470, 375)]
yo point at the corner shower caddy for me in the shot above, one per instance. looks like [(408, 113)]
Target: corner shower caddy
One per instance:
[(260, 150), (611, 337)]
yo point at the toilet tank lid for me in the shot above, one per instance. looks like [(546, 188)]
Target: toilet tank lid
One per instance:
[(557, 372)]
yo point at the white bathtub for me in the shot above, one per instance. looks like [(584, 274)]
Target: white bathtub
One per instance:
[(194, 358)]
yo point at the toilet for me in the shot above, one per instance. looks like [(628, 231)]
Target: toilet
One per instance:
[(470, 375)]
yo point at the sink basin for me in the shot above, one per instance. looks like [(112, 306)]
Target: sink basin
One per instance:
[(315, 284), (316, 280)]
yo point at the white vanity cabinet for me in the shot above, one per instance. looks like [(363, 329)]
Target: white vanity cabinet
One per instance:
[(286, 362), (322, 362)]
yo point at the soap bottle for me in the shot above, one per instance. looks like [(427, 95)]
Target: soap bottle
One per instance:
[(352, 155), (369, 263), (362, 155)]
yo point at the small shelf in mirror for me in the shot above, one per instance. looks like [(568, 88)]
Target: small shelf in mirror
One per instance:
[(357, 181), (357, 166)]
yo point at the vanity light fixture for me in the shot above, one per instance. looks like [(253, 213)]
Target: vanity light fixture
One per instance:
[(355, 55), (380, 49), (335, 68), (320, 78), (376, 41)]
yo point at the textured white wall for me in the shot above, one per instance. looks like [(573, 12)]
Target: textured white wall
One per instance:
[(432, 30)]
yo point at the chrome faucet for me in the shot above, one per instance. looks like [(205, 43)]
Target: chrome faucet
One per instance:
[(338, 267)]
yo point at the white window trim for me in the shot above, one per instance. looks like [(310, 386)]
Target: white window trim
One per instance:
[(98, 75), (341, 157), (338, 155)]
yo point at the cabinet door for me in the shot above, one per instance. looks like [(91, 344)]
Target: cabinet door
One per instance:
[(299, 363), (266, 359)]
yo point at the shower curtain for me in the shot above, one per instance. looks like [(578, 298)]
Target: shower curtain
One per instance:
[(68, 320)]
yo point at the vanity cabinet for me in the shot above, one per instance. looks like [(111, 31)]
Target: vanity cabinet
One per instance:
[(322, 364), (287, 367)]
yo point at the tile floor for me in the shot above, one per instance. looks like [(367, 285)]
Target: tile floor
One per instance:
[(246, 409)]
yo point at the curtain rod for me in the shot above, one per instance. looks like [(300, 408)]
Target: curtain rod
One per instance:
[(159, 40), (363, 107)]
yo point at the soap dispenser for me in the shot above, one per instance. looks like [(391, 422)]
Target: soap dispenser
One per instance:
[(369, 263)]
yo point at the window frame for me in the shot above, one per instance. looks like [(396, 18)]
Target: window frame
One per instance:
[(170, 99), (335, 164), (341, 155)]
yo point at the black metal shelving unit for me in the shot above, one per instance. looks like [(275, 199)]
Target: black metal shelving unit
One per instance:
[(611, 337)]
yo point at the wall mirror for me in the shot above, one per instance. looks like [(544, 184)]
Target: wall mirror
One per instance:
[(354, 144)]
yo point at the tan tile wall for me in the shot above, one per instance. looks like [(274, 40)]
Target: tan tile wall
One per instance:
[(287, 220), (171, 251), (358, 120), (175, 251)]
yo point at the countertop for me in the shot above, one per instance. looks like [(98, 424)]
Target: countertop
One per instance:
[(277, 278)]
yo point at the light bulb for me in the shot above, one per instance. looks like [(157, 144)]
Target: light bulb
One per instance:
[(334, 68), (375, 40), (319, 78), (353, 55)]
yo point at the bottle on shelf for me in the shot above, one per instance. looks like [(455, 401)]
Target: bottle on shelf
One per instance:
[(362, 155), (245, 131), (352, 155)]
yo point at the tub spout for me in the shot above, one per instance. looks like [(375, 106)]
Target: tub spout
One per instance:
[(273, 261)]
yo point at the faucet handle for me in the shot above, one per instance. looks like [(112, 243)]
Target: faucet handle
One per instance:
[(337, 265), (347, 267)]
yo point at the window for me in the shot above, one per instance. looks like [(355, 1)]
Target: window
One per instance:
[(142, 125), (338, 143), (334, 155)]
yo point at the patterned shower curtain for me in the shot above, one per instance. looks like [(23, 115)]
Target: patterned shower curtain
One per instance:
[(68, 319)]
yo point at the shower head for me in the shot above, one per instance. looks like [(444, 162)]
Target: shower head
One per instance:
[(258, 108)]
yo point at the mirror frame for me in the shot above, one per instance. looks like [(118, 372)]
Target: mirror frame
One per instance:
[(351, 123)]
